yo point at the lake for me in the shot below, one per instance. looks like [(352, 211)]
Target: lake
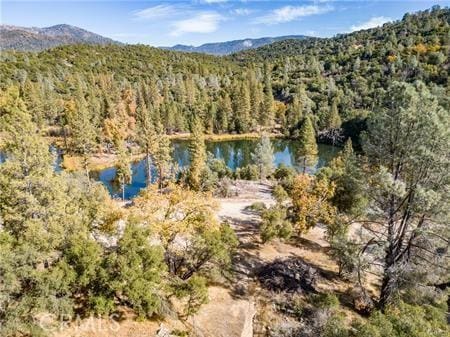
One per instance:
[(236, 153)]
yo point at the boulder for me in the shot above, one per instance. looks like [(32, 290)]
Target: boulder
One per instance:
[(223, 316)]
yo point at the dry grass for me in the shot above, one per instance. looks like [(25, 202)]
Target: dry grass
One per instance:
[(96, 162), (225, 136)]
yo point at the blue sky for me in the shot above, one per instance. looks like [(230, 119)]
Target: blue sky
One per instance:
[(165, 23)]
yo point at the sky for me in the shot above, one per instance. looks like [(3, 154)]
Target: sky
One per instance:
[(166, 23)]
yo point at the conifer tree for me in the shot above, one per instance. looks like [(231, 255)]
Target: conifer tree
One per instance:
[(82, 131), (242, 108), (123, 169), (307, 150), (268, 111), (263, 157), (407, 144), (146, 136), (333, 123), (256, 98), (294, 112), (162, 155), (197, 152), (225, 114), (333, 120)]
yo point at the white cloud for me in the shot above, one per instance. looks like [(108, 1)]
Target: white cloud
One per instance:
[(371, 23), (214, 1), (291, 13), (155, 12), (241, 11), (206, 22)]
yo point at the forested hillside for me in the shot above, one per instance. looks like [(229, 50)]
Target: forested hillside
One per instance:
[(229, 47), (356, 247), (334, 81)]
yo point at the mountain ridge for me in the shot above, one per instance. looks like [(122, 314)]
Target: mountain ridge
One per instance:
[(233, 46), (37, 39)]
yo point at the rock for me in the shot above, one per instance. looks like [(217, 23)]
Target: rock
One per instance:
[(223, 316), (363, 304), (163, 331)]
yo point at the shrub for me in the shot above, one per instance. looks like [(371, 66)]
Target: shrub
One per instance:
[(275, 224), (325, 301), (218, 166), (258, 206), (194, 290), (279, 193), (283, 172), (249, 172), (335, 327), (102, 305), (403, 320), (224, 189), (208, 180)]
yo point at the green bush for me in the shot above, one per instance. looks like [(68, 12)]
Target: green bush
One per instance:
[(102, 305), (249, 172), (325, 301), (218, 166), (275, 224), (194, 290), (224, 189), (258, 207), (284, 172), (335, 327), (405, 320), (279, 193)]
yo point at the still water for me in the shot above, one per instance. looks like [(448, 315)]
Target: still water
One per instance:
[(236, 153)]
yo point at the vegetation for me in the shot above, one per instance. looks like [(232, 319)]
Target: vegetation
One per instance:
[(58, 230), (263, 157), (67, 248)]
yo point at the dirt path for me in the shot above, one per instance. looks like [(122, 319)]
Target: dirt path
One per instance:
[(311, 247), (253, 254)]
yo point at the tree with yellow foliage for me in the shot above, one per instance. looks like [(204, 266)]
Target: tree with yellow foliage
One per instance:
[(311, 202)]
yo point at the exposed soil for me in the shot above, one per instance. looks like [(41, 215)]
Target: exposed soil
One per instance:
[(260, 268), (263, 274)]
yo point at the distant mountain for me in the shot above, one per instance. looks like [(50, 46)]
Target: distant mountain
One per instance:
[(36, 39), (229, 47)]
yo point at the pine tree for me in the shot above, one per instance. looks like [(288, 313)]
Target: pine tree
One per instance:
[(256, 98), (146, 136), (307, 150), (123, 169), (333, 123), (226, 112), (294, 112), (333, 120), (197, 152), (268, 111), (263, 157), (407, 144), (242, 108), (162, 155), (211, 118), (82, 131)]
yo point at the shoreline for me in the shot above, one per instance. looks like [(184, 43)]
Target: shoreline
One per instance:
[(101, 161)]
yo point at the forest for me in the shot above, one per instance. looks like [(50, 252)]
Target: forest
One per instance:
[(69, 250)]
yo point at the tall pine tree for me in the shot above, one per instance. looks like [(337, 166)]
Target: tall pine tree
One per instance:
[(307, 150), (197, 152)]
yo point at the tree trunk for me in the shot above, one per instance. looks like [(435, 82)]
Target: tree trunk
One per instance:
[(387, 289), (86, 169), (149, 170)]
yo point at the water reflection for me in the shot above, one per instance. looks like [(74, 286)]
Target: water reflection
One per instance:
[(236, 153)]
